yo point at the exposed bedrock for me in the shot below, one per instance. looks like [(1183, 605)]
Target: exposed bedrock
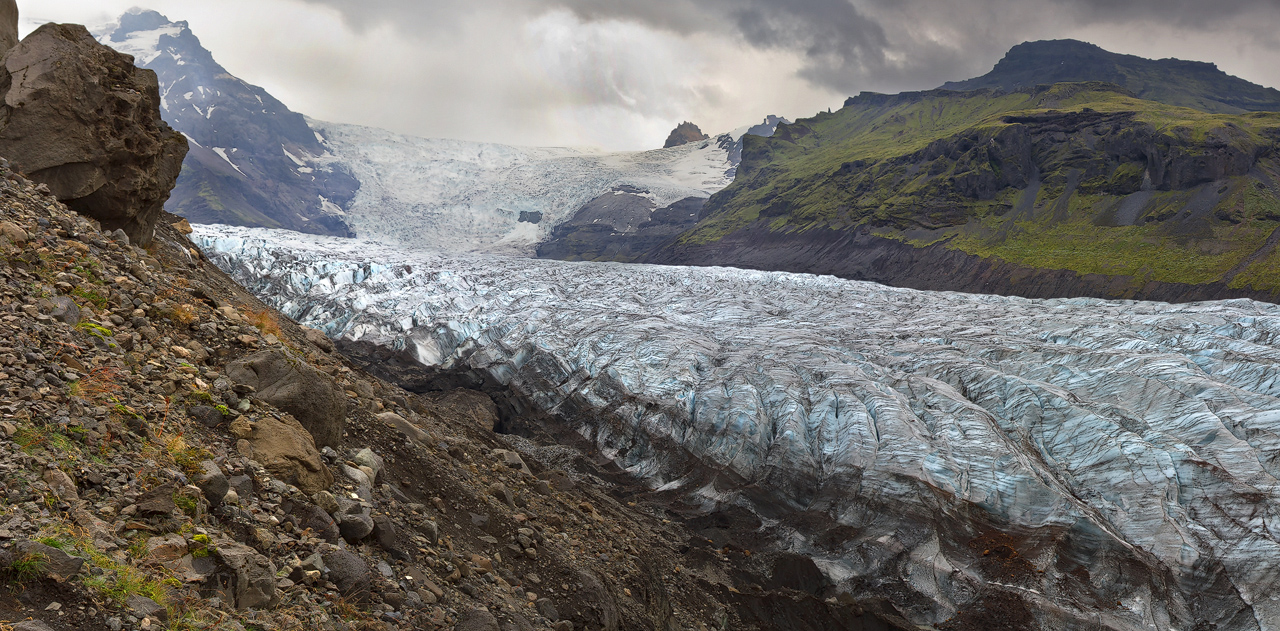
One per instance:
[(83, 120), (8, 25)]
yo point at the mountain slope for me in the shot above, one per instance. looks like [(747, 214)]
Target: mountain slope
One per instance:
[(254, 162), (1073, 189), (1191, 84), (252, 159)]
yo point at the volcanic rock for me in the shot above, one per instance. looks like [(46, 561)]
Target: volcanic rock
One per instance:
[(295, 387), (8, 25), (285, 449), (79, 118), (684, 134)]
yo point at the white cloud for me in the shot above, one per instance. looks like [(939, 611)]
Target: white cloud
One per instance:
[(621, 73)]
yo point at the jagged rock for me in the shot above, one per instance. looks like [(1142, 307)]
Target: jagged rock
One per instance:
[(477, 620), (58, 565), (81, 119), (684, 134), (158, 501), (61, 484), (144, 607), (8, 25), (285, 449), (65, 310), (212, 482), (295, 387), (350, 573), (251, 581)]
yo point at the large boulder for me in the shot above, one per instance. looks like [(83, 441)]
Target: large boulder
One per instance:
[(82, 119), (294, 386), (284, 448), (8, 25)]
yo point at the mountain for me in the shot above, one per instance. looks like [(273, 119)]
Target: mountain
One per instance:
[(973, 462), (252, 160), (1063, 190), (1193, 84), (626, 223), (683, 134)]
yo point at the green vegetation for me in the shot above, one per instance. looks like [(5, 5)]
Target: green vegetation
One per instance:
[(941, 166)]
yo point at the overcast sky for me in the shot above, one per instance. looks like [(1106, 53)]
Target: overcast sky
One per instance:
[(620, 74)]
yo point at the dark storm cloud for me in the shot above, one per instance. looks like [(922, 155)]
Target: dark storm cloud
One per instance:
[(851, 44)]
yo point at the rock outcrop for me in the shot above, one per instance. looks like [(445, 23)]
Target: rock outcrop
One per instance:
[(285, 449), (8, 25), (683, 134), (297, 388), (79, 118)]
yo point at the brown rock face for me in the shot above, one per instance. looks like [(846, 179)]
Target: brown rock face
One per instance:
[(684, 134), (285, 449), (8, 24), (80, 118)]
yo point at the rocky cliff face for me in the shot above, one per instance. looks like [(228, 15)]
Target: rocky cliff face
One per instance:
[(683, 134), (8, 25), (253, 161), (79, 118), (1074, 189)]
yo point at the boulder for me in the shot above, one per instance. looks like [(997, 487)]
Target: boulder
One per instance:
[(57, 565), (297, 388), (355, 528), (284, 448), (81, 119), (319, 339), (251, 578), (314, 518), (477, 620), (8, 25), (212, 482), (350, 573)]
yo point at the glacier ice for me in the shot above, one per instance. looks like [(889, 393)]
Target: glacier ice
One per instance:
[(461, 196), (1112, 464)]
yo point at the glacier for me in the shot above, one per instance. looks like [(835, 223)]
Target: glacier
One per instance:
[(1098, 464), (462, 196)]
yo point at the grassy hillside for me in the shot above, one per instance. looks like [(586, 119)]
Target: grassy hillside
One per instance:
[(1080, 177)]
